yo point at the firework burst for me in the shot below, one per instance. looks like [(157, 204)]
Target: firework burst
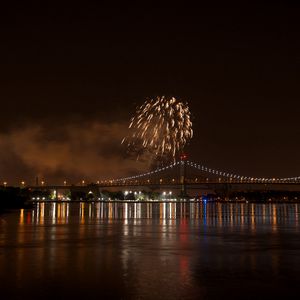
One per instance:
[(161, 126)]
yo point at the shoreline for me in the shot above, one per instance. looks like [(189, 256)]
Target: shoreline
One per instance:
[(171, 201)]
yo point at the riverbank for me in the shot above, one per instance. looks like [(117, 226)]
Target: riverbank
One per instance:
[(169, 201), (14, 198)]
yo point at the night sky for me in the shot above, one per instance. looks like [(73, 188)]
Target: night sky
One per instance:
[(72, 75)]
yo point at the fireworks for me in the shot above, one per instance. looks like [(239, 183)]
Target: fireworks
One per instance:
[(161, 126)]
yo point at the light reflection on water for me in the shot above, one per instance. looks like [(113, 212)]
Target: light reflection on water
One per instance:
[(218, 214), (150, 250)]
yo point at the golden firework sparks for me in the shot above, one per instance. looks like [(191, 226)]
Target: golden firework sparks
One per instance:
[(161, 125)]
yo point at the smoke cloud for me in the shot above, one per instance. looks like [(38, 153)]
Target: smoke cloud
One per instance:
[(90, 151)]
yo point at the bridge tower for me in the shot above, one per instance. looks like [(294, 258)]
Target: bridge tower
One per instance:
[(183, 158)]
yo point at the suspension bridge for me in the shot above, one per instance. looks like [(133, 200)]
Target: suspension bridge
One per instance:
[(183, 175)]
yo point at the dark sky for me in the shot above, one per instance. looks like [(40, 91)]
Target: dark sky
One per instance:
[(72, 74)]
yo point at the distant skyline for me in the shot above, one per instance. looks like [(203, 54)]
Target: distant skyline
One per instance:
[(72, 76)]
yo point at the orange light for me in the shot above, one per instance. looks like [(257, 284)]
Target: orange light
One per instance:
[(183, 156)]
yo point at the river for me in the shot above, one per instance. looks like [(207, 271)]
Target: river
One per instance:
[(150, 251)]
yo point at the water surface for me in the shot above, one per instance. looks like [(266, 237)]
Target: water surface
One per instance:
[(150, 251)]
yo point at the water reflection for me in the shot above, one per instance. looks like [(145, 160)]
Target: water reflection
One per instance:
[(212, 214), (150, 250)]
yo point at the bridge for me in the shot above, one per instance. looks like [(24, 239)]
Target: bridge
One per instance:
[(183, 175)]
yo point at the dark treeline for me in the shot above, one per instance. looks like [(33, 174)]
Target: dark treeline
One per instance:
[(144, 195), (114, 195), (11, 197), (260, 196)]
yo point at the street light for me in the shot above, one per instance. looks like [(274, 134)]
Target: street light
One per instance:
[(65, 183), (5, 183), (43, 183), (23, 183)]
